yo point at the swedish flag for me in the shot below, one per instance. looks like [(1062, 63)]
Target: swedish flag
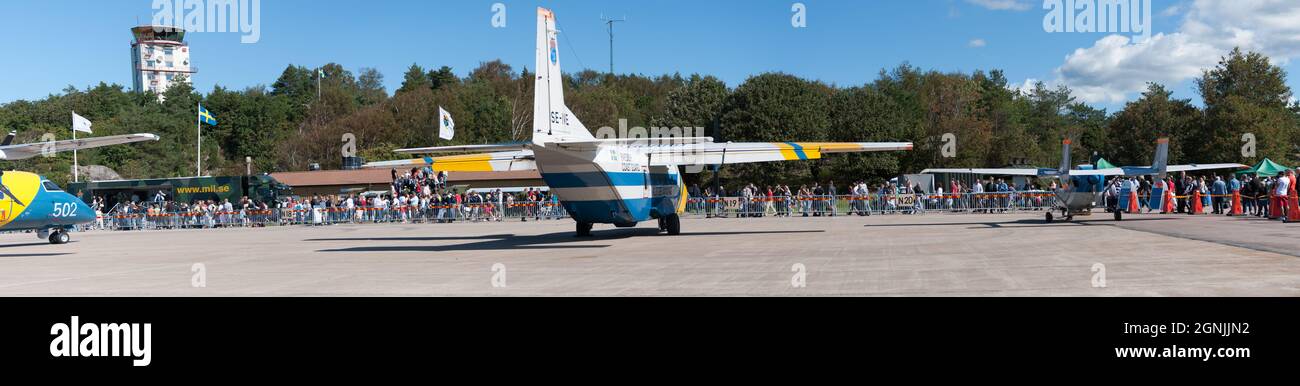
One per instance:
[(206, 117)]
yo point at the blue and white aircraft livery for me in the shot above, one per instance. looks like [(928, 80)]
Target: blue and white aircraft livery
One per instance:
[(31, 202), (610, 181)]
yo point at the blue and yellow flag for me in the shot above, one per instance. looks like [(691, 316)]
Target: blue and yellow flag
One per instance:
[(206, 117)]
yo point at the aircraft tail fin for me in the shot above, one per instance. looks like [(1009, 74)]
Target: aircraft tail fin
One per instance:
[(1161, 163), (9, 139), (1064, 170), (552, 120)]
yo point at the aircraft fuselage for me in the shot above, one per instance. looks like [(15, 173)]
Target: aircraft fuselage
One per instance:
[(611, 184), (30, 202)]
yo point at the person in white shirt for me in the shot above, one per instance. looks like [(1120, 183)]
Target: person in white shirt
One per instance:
[(1282, 194)]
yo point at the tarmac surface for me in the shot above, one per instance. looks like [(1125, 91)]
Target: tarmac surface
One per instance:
[(927, 255)]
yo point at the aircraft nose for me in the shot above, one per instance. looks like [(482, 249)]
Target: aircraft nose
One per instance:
[(84, 213)]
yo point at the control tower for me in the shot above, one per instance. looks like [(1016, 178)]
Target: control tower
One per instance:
[(159, 55)]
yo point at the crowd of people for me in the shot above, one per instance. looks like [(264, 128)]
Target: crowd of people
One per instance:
[(1261, 196), (861, 198), (418, 195), (136, 214), (415, 196), (1256, 194)]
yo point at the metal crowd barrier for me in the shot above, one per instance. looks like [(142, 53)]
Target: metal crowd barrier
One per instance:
[(436, 213), (709, 207), (872, 204)]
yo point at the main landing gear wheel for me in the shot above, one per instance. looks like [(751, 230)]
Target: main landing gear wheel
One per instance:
[(1119, 215), (59, 237), (1049, 217), (584, 229), (674, 224)]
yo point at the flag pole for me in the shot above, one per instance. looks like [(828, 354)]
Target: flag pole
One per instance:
[(76, 174), (198, 164)]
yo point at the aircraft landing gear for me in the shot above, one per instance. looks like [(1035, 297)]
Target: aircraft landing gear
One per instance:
[(1119, 216), (584, 229), (1049, 217), (673, 224), (59, 236)]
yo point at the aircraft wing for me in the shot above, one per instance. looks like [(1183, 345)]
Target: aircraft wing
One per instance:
[(501, 147), (33, 149), (520, 160), (709, 153), (994, 172)]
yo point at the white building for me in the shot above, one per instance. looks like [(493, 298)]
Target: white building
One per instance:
[(159, 55)]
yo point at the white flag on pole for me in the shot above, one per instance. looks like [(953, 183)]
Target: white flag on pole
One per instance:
[(446, 126), (80, 123)]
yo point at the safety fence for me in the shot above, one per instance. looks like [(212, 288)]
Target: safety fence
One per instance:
[(155, 219), (871, 204), (708, 207), (909, 204)]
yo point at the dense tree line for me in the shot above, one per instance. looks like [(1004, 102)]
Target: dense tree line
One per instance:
[(293, 123)]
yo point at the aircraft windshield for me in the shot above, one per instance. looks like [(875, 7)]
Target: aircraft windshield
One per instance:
[(51, 187)]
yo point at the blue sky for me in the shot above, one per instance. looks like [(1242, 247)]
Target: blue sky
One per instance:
[(55, 43)]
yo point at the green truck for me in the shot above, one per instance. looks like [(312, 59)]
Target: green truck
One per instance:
[(261, 188)]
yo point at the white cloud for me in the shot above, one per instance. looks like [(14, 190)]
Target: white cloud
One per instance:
[(1004, 5), (1112, 69), (1024, 88), (977, 43), (1172, 11)]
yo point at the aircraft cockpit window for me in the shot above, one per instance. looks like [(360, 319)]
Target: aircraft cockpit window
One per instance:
[(51, 187)]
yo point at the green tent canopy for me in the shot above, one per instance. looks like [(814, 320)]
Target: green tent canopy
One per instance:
[(1266, 168), (1104, 164)]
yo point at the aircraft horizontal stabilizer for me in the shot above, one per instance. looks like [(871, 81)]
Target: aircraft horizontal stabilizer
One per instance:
[(995, 172), (1195, 167), (1148, 170)]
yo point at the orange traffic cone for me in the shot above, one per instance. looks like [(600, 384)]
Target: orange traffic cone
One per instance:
[(1133, 202), (1293, 210), (1197, 208), (1169, 202), (1236, 204)]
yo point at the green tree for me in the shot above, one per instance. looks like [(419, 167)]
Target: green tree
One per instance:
[(371, 87), (1156, 114), (443, 77), (414, 79), (776, 107), (1245, 94)]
